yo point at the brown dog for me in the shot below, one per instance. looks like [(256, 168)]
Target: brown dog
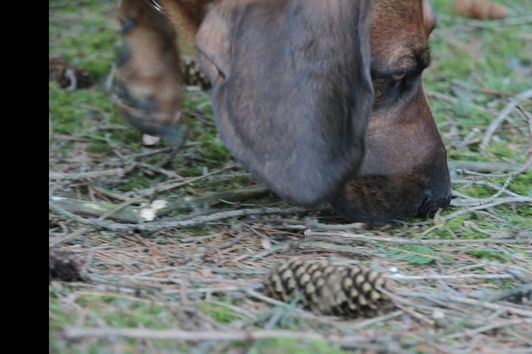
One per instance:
[(322, 100)]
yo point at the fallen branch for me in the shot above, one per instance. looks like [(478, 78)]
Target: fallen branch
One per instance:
[(85, 175), (201, 220), (237, 335), (155, 226), (129, 214), (90, 208)]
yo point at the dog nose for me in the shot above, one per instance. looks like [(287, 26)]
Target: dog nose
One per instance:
[(434, 200)]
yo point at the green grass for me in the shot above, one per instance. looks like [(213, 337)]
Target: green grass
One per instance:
[(490, 57), (489, 254), (414, 254), (84, 35), (112, 311), (71, 110), (282, 346), (218, 312)]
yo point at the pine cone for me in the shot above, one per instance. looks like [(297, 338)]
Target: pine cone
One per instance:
[(193, 76), (63, 266), (67, 75), (345, 291)]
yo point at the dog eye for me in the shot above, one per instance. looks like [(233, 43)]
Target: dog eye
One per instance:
[(397, 81), (401, 83), (398, 77)]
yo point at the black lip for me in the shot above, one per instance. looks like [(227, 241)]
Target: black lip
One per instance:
[(429, 208)]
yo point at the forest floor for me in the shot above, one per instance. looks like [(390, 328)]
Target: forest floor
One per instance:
[(189, 281)]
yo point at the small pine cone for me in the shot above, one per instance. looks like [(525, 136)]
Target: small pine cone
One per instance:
[(67, 75), (63, 266), (345, 291), (193, 76), (480, 9)]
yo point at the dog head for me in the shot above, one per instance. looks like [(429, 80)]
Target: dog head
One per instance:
[(404, 171), (323, 100)]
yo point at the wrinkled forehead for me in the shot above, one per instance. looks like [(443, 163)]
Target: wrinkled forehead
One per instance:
[(399, 30)]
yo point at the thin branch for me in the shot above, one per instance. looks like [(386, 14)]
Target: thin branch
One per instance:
[(485, 184), (201, 220), (125, 213), (98, 209), (68, 237), (86, 175), (169, 186), (502, 117), (488, 305), (406, 241), (479, 166), (236, 335), (155, 226), (489, 327), (449, 277), (495, 202)]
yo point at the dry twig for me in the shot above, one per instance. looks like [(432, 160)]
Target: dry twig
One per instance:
[(502, 116), (234, 335)]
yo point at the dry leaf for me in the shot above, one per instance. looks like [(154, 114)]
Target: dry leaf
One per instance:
[(479, 9)]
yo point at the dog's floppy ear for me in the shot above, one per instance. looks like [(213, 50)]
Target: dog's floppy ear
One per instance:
[(291, 89)]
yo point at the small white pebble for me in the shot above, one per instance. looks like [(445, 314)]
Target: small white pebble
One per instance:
[(150, 140), (266, 244), (393, 270), (147, 214), (158, 204), (438, 314)]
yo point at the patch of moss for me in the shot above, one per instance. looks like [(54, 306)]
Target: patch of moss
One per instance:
[(218, 312), (71, 111), (413, 254), (133, 182), (489, 254), (293, 346)]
